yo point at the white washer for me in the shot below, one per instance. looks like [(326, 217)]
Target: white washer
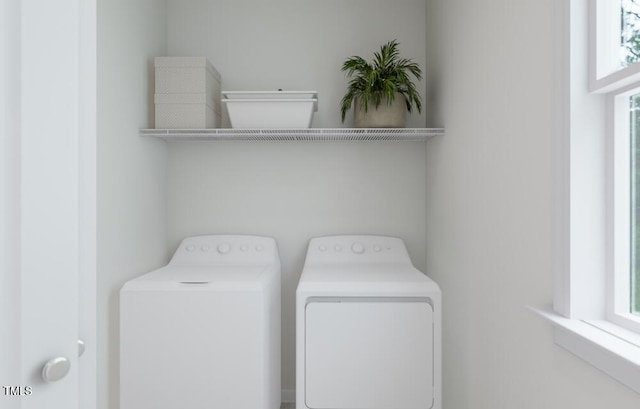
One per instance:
[(204, 331), (368, 327)]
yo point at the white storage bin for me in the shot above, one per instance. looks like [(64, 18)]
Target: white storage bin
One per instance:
[(187, 93), (186, 111), (270, 113), (270, 109), (186, 75)]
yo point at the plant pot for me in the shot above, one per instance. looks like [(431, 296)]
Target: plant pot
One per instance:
[(385, 116)]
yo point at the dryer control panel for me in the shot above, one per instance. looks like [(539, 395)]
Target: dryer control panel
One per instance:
[(227, 249), (357, 249)]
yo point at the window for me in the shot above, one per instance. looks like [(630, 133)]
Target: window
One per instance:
[(634, 145), (623, 131), (596, 309), (630, 41), (630, 32)]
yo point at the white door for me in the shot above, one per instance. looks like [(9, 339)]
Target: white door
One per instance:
[(47, 184)]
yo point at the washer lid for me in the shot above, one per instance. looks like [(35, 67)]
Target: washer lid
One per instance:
[(202, 277)]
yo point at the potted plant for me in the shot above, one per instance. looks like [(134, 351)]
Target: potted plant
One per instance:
[(381, 90)]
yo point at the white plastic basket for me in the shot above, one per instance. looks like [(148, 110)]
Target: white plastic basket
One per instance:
[(271, 113), (270, 109)]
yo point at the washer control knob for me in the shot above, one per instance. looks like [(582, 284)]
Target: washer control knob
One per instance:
[(224, 248), (259, 247), (357, 248), (322, 248), (244, 248), (338, 247), (205, 247), (190, 247), (377, 248)]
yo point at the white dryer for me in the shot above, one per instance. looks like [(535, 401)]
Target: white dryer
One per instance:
[(368, 327), (204, 331)]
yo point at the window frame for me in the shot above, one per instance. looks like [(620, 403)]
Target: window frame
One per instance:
[(604, 74)]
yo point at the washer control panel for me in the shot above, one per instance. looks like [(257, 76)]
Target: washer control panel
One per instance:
[(357, 249), (226, 249)]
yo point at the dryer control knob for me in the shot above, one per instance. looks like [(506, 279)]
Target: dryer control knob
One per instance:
[(224, 248), (357, 248)]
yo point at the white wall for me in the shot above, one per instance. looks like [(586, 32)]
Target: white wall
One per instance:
[(296, 44), (294, 191), (131, 170), (490, 208)]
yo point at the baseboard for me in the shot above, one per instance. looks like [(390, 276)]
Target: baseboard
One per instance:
[(288, 395)]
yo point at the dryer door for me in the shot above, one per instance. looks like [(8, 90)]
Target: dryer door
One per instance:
[(374, 353)]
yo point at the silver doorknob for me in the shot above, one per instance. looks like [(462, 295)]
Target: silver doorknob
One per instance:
[(81, 347), (56, 369)]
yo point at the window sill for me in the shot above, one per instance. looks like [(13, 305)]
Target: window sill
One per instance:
[(612, 349)]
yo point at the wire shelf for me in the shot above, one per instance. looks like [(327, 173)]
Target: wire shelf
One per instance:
[(295, 135)]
